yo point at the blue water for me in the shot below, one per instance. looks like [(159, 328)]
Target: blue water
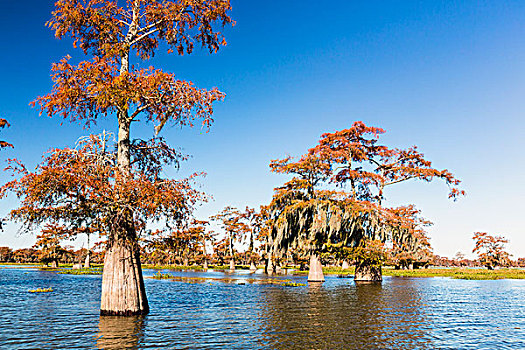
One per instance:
[(401, 313)]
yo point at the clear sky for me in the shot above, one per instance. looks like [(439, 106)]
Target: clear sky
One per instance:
[(448, 76)]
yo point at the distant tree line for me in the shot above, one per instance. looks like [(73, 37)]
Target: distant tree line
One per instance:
[(246, 245)]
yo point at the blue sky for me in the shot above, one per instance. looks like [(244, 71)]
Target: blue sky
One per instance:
[(448, 76)]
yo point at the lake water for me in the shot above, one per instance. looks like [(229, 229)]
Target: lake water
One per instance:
[(400, 313)]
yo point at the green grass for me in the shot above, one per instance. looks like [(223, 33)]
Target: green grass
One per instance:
[(329, 271), (39, 290), (292, 284), (21, 264), (171, 267), (457, 273), (91, 271), (193, 267), (162, 276)]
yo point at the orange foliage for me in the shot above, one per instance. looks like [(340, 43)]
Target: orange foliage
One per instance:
[(306, 208), (4, 124), (81, 188), (490, 250), (108, 84)]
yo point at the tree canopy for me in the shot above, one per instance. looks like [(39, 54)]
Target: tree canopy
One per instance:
[(491, 249), (336, 194), (81, 188), (108, 83)]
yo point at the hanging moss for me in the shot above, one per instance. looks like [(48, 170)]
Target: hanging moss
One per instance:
[(311, 224)]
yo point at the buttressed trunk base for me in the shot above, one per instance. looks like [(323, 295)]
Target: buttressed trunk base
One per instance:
[(123, 292), (368, 273), (269, 267), (87, 263), (315, 274)]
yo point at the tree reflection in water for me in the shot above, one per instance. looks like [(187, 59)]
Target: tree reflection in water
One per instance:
[(352, 316), (118, 332)]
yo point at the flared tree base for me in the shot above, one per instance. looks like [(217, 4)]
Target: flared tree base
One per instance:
[(269, 268), (367, 273), (87, 263), (315, 274), (123, 292)]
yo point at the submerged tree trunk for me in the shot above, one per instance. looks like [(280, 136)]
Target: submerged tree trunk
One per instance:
[(315, 274), (232, 259), (87, 263), (269, 267), (123, 291), (368, 273)]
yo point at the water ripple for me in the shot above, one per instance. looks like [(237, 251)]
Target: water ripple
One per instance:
[(401, 313)]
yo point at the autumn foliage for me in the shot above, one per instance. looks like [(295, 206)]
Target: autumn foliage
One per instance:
[(4, 124), (336, 194), (81, 187), (491, 250), (239, 227), (109, 82), (48, 244), (118, 193), (183, 246)]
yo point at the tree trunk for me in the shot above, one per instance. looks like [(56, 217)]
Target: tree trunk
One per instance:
[(123, 291), (232, 264), (345, 265), (315, 274), (87, 264), (270, 267), (123, 146), (368, 273), (205, 265), (253, 268)]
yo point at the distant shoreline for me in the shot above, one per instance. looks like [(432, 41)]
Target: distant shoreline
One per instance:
[(456, 273)]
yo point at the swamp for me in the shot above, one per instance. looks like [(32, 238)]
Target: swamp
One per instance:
[(242, 310), (228, 174)]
